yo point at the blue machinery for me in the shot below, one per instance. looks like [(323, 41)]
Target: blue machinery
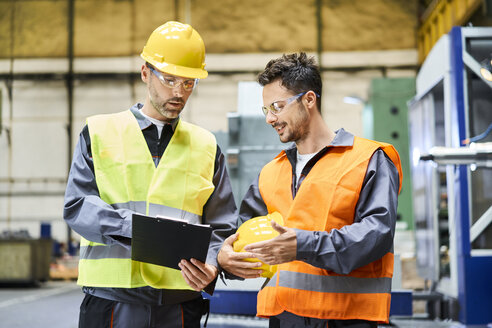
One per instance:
[(452, 182)]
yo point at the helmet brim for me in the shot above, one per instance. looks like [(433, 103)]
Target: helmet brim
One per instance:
[(182, 71)]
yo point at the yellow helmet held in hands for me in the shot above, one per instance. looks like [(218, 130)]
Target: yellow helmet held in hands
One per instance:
[(176, 49), (255, 230)]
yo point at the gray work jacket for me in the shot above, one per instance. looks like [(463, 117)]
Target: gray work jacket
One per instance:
[(369, 238), (92, 218)]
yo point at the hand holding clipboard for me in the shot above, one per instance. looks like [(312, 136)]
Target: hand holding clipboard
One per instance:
[(166, 241)]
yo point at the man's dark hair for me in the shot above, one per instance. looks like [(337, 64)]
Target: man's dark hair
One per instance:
[(297, 72)]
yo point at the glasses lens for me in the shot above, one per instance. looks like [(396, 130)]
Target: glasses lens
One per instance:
[(188, 84), (171, 82), (272, 109), (275, 108)]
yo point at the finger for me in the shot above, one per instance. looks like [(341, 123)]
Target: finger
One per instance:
[(199, 265), (254, 247), (212, 270), (195, 274), (242, 255), (207, 274), (189, 277), (270, 260), (278, 227), (231, 239), (208, 270), (249, 274), (242, 264), (267, 258), (186, 270), (189, 282), (204, 273), (263, 258)]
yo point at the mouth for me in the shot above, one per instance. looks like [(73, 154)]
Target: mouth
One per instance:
[(279, 128), (175, 104)]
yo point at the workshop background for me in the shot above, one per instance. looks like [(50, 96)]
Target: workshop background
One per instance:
[(64, 60)]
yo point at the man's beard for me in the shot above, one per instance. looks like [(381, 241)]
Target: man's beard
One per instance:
[(297, 129)]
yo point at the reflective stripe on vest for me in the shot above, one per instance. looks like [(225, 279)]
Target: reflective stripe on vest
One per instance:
[(334, 284), (90, 250), (331, 284), (326, 200), (127, 178), (156, 209), (100, 251)]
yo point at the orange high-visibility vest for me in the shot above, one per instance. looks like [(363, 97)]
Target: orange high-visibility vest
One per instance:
[(326, 200)]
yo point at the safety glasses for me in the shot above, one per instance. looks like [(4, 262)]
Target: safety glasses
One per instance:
[(173, 82), (276, 107)]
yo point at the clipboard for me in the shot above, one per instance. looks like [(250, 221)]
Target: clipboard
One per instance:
[(166, 241)]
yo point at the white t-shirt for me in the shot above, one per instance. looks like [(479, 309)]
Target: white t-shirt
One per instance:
[(301, 162), (157, 123)]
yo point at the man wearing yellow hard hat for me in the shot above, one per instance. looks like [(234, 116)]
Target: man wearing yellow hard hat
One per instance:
[(148, 160), (337, 196)]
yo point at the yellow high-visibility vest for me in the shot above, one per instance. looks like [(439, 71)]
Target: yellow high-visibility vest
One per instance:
[(126, 177)]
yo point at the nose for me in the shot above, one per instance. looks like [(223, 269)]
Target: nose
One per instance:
[(178, 90), (270, 118)]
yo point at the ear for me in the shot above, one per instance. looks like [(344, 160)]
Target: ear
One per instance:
[(310, 99), (144, 73)]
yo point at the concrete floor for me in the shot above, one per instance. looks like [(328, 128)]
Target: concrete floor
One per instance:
[(55, 304)]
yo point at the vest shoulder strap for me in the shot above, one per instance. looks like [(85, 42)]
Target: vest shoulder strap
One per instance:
[(100, 122), (200, 135), (392, 153)]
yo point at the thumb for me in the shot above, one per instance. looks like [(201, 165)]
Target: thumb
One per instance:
[(231, 239), (278, 227)]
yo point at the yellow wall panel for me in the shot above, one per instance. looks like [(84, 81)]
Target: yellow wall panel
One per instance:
[(39, 28), (148, 14), (234, 26), (107, 28), (117, 27), (5, 29), (369, 25), (102, 28)]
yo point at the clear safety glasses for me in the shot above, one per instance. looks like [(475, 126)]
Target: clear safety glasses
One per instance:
[(172, 81), (276, 107)]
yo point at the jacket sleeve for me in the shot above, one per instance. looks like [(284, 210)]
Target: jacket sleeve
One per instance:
[(220, 212), (370, 237), (252, 204), (220, 209), (84, 211)]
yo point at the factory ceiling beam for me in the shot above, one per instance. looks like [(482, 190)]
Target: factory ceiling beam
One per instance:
[(439, 18)]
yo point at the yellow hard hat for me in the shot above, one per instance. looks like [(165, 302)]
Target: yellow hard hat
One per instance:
[(255, 230), (176, 49)]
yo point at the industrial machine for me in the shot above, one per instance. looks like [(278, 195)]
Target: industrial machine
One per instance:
[(385, 119), (250, 142), (24, 259), (452, 178)]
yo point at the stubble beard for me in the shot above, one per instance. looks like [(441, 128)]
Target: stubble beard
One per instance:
[(297, 130), (161, 106)]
